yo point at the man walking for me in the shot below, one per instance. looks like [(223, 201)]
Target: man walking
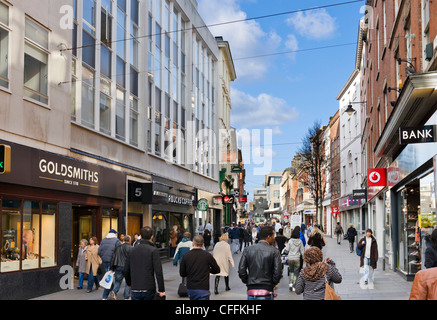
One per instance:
[(339, 231), (142, 265), (260, 266), (106, 251), (117, 265), (196, 265)]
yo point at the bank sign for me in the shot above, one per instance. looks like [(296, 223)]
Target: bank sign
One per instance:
[(423, 134)]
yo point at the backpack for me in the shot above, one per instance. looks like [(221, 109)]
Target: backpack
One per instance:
[(358, 250), (338, 229)]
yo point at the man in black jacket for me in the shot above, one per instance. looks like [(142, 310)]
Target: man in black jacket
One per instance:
[(260, 266), (196, 265), (142, 265), (117, 265)]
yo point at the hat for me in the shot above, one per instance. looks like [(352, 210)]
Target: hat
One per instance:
[(112, 231)]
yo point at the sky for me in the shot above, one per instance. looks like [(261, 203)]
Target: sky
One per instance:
[(290, 69)]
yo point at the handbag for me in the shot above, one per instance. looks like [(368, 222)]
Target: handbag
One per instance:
[(329, 291), (107, 280), (183, 290)]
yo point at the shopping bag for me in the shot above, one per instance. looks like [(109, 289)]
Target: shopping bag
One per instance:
[(107, 280), (182, 290), (329, 291)]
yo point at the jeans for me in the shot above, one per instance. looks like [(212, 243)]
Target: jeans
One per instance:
[(107, 266), (81, 279), (339, 237), (235, 245), (92, 279), (146, 295), (269, 297), (294, 268), (368, 270), (197, 294), (118, 280)]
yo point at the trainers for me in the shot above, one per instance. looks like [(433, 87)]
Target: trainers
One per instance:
[(414, 253), (113, 295)]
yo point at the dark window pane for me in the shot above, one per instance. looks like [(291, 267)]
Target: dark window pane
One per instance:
[(105, 61), (88, 50)]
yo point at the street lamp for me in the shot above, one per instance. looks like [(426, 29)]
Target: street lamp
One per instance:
[(350, 110)]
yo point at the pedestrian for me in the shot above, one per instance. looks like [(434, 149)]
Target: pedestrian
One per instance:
[(106, 251), (93, 262), (173, 241), (240, 236), (260, 266), (142, 266), (424, 285), (316, 238), (223, 256), (431, 252), (234, 235), (339, 232), (254, 235), (280, 240), (196, 266), (117, 265), (277, 227), (303, 228), (309, 230), (247, 237), (302, 236), (295, 249), (288, 230), (369, 255), (351, 234), (183, 247), (312, 279), (81, 261), (137, 238), (207, 238)]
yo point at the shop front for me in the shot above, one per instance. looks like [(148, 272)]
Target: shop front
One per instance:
[(408, 144), (209, 211), (48, 203), (172, 207)]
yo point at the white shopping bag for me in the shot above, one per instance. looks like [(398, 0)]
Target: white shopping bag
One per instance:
[(107, 280)]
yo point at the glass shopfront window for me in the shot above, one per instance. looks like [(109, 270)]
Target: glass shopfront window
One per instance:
[(161, 229), (109, 221), (28, 230)]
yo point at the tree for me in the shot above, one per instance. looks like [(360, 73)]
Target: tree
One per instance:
[(313, 161)]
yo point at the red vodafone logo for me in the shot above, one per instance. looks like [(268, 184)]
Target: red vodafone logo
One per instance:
[(376, 177)]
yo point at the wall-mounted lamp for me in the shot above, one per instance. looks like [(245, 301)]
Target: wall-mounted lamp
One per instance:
[(350, 110), (412, 68)]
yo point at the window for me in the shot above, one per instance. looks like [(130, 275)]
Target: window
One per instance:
[(109, 221), (119, 119), (88, 87), (4, 45), (105, 61), (133, 121), (105, 106), (89, 16), (88, 49), (36, 58), (28, 235)]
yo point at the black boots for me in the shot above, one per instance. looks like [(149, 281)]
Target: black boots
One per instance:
[(217, 280)]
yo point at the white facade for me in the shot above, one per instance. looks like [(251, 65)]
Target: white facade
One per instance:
[(326, 203)]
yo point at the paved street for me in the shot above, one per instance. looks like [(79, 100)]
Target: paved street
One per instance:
[(388, 285)]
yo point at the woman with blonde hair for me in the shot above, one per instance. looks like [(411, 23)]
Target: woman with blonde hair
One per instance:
[(222, 254), (316, 238), (81, 262)]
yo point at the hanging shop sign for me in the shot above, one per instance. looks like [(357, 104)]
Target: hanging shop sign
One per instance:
[(243, 198), (359, 194), (423, 134), (334, 212), (228, 199), (377, 177), (5, 159), (202, 205)]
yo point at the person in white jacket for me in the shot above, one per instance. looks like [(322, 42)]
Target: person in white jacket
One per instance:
[(295, 250)]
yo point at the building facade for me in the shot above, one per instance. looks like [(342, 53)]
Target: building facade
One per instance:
[(108, 145)]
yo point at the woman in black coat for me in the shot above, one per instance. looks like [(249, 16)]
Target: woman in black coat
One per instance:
[(351, 234)]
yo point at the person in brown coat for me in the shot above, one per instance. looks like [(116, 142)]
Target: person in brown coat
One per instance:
[(93, 262), (424, 285), (369, 255)]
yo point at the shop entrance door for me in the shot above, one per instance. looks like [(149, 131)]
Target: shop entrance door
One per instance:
[(84, 227)]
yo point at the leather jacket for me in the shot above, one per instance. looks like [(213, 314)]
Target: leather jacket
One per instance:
[(120, 254), (260, 266)]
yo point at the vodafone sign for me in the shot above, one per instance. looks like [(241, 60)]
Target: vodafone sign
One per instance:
[(377, 177)]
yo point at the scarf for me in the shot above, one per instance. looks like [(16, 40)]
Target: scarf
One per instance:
[(315, 268)]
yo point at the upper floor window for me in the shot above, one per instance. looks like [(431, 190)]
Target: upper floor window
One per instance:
[(36, 56), (4, 45)]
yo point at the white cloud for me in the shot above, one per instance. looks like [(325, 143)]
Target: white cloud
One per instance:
[(292, 44), (317, 24), (246, 38), (262, 111)]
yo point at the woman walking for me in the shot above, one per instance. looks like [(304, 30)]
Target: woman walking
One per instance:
[(369, 255), (81, 262), (295, 250), (93, 262), (312, 279), (222, 254)]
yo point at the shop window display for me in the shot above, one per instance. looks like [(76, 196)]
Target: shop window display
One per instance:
[(160, 227), (109, 221), (28, 231)]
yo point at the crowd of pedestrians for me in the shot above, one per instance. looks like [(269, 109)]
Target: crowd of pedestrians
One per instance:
[(266, 251)]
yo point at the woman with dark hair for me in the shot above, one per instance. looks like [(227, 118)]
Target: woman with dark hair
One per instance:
[(431, 252), (295, 251), (312, 278), (369, 255)]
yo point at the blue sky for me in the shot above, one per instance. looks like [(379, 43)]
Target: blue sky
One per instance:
[(284, 92)]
